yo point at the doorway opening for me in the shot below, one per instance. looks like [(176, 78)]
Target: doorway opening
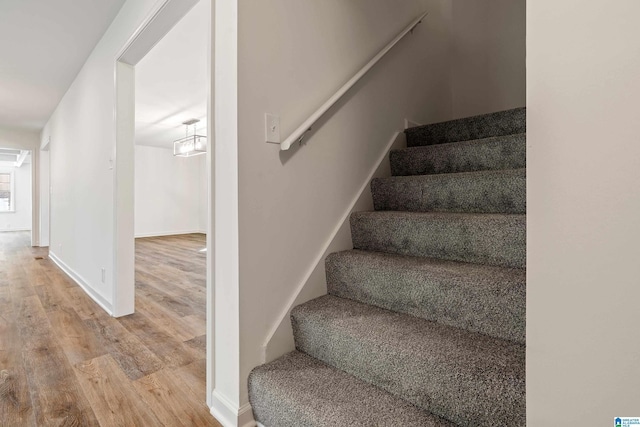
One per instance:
[(163, 209), (16, 191)]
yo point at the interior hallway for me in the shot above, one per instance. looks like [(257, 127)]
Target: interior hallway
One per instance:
[(64, 361)]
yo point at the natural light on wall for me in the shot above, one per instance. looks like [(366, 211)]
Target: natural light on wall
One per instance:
[(10, 160), (190, 145), (6, 191)]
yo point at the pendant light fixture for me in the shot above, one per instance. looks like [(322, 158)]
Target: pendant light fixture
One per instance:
[(190, 145)]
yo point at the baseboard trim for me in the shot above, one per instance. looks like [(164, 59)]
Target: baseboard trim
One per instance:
[(169, 233), (9, 230), (96, 297), (228, 415), (408, 123), (245, 416)]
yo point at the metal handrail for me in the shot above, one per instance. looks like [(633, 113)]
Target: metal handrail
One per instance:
[(299, 134)]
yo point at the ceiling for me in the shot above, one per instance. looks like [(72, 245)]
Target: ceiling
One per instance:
[(14, 158), (171, 81), (43, 45)]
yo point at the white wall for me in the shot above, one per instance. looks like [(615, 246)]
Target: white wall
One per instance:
[(488, 69), (223, 120), (292, 56), (203, 193), (583, 155), (82, 135), (171, 92), (82, 152), (168, 193), (20, 220), (44, 198)]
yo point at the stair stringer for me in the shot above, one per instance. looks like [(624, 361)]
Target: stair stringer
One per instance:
[(314, 284)]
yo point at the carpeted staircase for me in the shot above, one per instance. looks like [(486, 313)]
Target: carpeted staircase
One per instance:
[(424, 323)]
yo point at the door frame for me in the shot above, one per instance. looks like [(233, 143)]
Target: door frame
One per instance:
[(161, 19)]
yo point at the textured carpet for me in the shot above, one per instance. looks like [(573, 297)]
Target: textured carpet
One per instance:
[(469, 378), (425, 321), (479, 298), (497, 153), (484, 191), (298, 390), (495, 124), (493, 239)]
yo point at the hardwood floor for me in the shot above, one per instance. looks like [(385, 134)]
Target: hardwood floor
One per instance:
[(65, 362)]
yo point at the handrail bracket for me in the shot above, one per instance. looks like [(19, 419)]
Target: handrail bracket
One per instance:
[(301, 139), (414, 27)]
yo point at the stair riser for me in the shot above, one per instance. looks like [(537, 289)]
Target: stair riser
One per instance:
[(297, 390), (425, 320), (488, 154), (477, 298), (467, 129), (488, 192), (485, 239), (477, 382)]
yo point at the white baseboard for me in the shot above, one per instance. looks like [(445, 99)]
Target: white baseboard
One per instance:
[(228, 415), (95, 296), (169, 233), (8, 230)]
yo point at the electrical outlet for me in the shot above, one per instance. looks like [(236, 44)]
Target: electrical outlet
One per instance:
[(272, 128), (104, 274)]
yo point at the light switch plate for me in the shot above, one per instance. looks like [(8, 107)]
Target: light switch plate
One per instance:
[(272, 128)]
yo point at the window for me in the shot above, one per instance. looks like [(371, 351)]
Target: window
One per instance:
[(7, 193)]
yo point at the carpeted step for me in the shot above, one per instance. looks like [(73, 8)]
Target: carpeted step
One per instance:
[(493, 239), (298, 390), (501, 123), (479, 298), (501, 191), (502, 152), (470, 379)]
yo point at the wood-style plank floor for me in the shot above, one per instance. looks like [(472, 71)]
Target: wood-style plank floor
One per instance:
[(65, 362)]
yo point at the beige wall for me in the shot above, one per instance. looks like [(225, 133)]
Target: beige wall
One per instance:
[(583, 154), (488, 56), (13, 138), (293, 55)]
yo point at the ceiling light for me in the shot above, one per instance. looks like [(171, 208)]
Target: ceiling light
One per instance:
[(190, 145)]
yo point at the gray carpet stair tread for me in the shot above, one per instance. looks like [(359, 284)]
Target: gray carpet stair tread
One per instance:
[(507, 122), (492, 239), (503, 152), (298, 390), (502, 191), (425, 321), (467, 378), (485, 299)]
